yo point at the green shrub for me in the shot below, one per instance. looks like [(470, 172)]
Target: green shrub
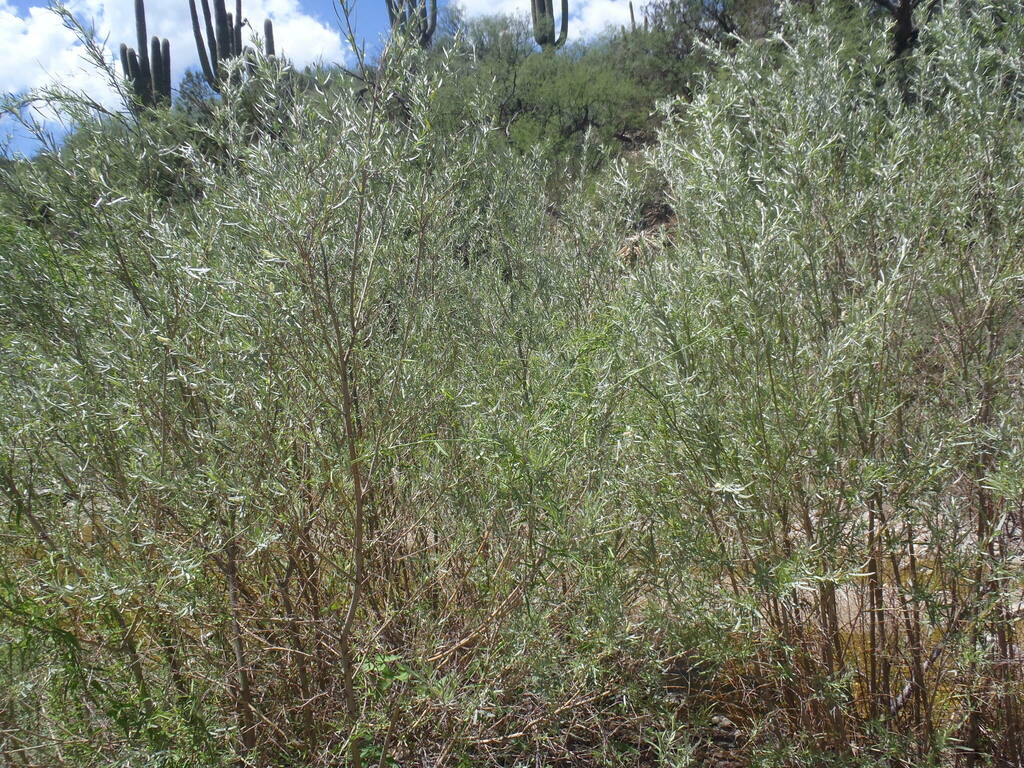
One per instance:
[(354, 440)]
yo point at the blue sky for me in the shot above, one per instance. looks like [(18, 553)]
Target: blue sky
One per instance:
[(37, 50)]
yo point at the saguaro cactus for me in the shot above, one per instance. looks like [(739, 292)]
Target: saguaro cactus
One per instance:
[(268, 37), (223, 38), (632, 22), (544, 23), (149, 68), (414, 17)]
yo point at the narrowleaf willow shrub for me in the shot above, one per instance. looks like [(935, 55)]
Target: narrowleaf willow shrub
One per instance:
[(833, 370), (364, 452), (276, 462)]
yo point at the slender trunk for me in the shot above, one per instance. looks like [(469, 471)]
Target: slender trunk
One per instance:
[(243, 697)]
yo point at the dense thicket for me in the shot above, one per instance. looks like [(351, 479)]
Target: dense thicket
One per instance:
[(345, 424)]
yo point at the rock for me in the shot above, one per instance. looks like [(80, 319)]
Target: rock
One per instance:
[(723, 724), (724, 740)]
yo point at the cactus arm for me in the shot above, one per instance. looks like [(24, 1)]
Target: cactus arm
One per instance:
[(136, 73), (140, 31), (149, 68), (223, 31), (211, 37), (238, 27), (197, 32), (125, 68), (537, 12), (133, 67), (223, 37), (563, 33), (268, 37), (165, 57), (156, 70), (544, 23), (130, 62), (231, 36), (143, 56)]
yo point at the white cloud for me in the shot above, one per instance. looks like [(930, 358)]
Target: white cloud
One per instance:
[(41, 51), (586, 17), (510, 7), (595, 16)]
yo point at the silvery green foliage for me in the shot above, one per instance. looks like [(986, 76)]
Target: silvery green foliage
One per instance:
[(835, 340), (772, 466)]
